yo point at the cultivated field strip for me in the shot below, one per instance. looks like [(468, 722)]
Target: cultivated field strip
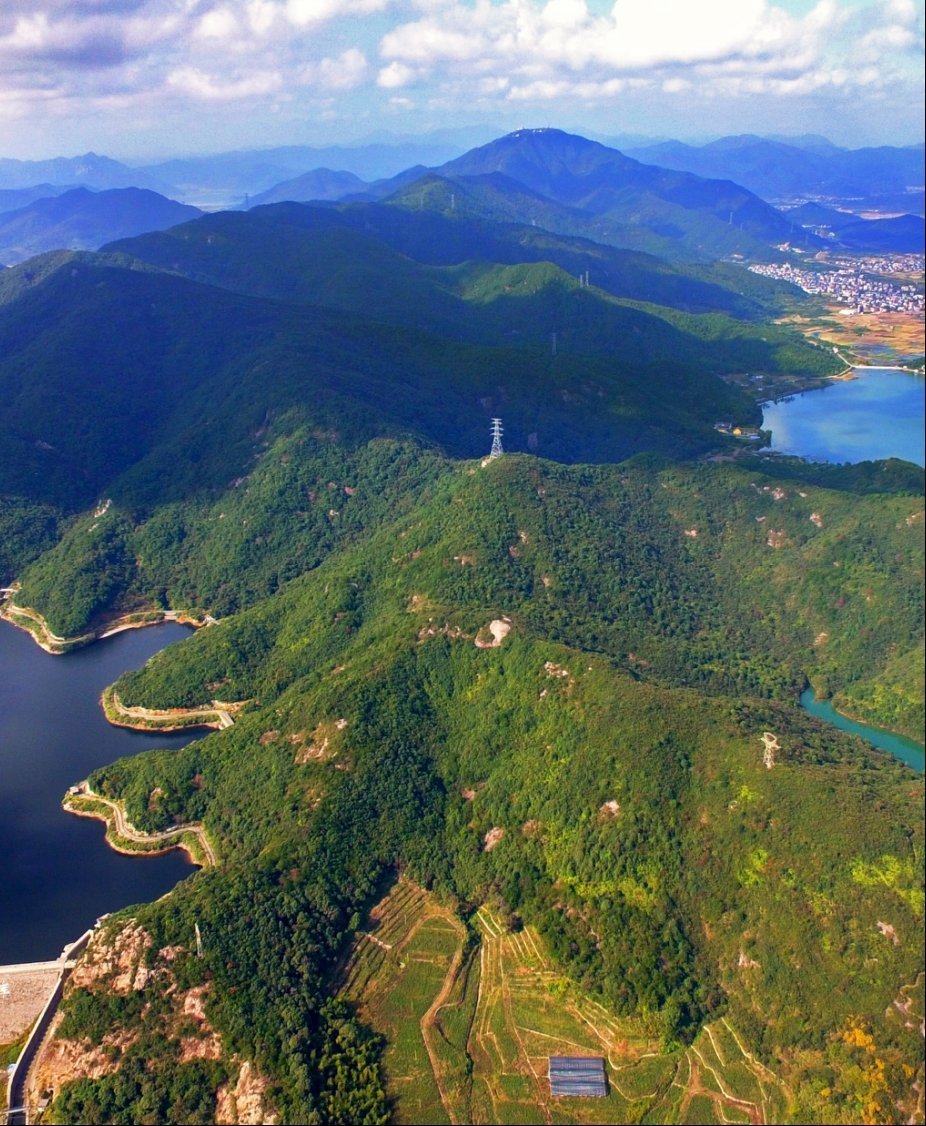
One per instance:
[(471, 1018)]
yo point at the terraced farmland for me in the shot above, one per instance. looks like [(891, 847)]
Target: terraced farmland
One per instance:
[(472, 1012), (406, 961)]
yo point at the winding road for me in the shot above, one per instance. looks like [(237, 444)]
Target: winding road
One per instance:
[(122, 827), (217, 714)]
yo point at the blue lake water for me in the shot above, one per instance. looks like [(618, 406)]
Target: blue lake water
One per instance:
[(878, 415), (57, 873)]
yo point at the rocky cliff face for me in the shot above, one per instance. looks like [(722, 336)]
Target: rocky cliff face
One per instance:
[(122, 962)]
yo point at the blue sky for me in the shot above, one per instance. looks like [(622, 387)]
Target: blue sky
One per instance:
[(149, 78)]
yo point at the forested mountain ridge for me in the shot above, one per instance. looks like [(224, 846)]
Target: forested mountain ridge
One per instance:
[(308, 243), (575, 569), (386, 724), (540, 682), (452, 279), (152, 340), (575, 186), (180, 405), (164, 354)]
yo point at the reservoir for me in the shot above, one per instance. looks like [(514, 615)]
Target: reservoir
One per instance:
[(878, 415), (58, 875), (905, 749)]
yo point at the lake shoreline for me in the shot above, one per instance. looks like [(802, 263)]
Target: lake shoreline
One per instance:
[(876, 416), (216, 715), (846, 376), (123, 837), (30, 621), (52, 733)]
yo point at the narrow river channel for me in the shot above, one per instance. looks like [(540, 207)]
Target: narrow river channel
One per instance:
[(905, 749), (58, 875)]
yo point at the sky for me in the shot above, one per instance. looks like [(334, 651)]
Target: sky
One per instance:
[(148, 79)]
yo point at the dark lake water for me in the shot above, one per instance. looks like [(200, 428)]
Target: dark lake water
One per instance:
[(878, 415), (57, 873)]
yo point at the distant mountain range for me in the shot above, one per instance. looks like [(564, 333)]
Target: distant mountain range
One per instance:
[(236, 174), (224, 179), (682, 203), (616, 199), (89, 170), (11, 199), (83, 220), (888, 177), (899, 233)]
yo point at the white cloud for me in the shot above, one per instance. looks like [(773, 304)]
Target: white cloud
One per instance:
[(648, 33), (93, 37), (430, 42), (261, 15), (493, 85), (543, 91), (394, 76), (304, 12), (28, 33), (636, 35), (559, 48), (564, 13), (220, 23), (892, 37), (902, 10), (217, 88), (344, 72)]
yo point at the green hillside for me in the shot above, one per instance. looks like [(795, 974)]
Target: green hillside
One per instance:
[(328, 255), (163, 352), (629, 218), (116, 379), (669, 871), (710, 578)]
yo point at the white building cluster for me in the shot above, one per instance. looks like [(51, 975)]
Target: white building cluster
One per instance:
[(854, 283)]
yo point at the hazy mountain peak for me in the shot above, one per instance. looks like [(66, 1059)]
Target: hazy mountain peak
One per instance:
[(82, 219)]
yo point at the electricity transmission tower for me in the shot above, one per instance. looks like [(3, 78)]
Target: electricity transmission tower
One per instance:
[(497, 450)]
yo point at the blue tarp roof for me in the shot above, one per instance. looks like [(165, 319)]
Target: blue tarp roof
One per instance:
[(578, 1076), (577, 1063)]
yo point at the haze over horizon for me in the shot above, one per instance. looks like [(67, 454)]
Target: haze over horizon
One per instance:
[(148, 79)]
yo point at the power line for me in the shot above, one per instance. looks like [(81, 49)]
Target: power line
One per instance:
[(497, 450)]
